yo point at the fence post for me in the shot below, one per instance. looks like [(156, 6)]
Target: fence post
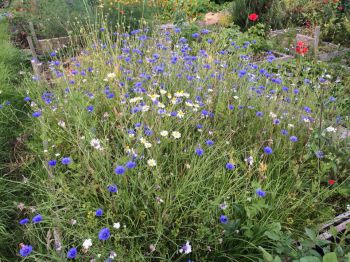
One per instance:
[(32, 32), (316, 39)]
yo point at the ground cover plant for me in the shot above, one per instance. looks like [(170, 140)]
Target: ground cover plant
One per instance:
[(155, 147)]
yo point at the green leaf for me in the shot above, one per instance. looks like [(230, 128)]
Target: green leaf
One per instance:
[(272, 235), (277, 259), (330, 257), (310, 259), (310, 233), (267, 257)]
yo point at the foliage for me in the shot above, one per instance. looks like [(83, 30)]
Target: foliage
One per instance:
[(12, 115), (129, 13), (307, 249), (332, 16), (269, 11), (189, 9), (114, 105), (51, 18), (232, 37)]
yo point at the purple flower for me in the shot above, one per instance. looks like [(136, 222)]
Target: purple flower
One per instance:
[(319, 154), (99, 212), (231, 107), (259, 114), (104, 234), (36, 219), (230, 166), (293, 139), (209, 142), (268, 150), (25, 250), (223, 219), (199, 151), (112, 188), (90, 108), (276, 121), (130, 165), (36, 114), (72, 253), (284, 132), (195, 35), (119, 170), (66, 160), (24, 221), (260, 192), (52, 162)]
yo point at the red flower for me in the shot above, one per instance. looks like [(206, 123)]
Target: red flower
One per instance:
[(301, 48), (253, 17), (341, 8), (331, 182)]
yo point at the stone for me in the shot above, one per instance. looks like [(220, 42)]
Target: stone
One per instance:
[(215, 18)]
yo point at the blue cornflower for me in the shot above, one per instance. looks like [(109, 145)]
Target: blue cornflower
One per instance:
[(104, 234), (260, 192), (24, 221), (130, 164), (307, 109), (293, 139), (223, 219), (199, 151), (195, 35), (37, 219), (90, 108), (209, 142), (205, 112), (99, 212), (148, 131), (53, 54), (52, 162), (36, 114), (112, 188), (259, 114), (119, 170), (66, 160), (72, 253), (284, 132), (231, 107), (332, 99), (276, 121), (268, 150), (27, 98), (319, 154), (25, 250), (230, 166)]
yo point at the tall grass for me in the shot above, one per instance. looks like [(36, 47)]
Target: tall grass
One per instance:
[(213, 99), (12, 115)]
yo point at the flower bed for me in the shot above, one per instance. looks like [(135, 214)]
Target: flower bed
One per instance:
[(158, 147)]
